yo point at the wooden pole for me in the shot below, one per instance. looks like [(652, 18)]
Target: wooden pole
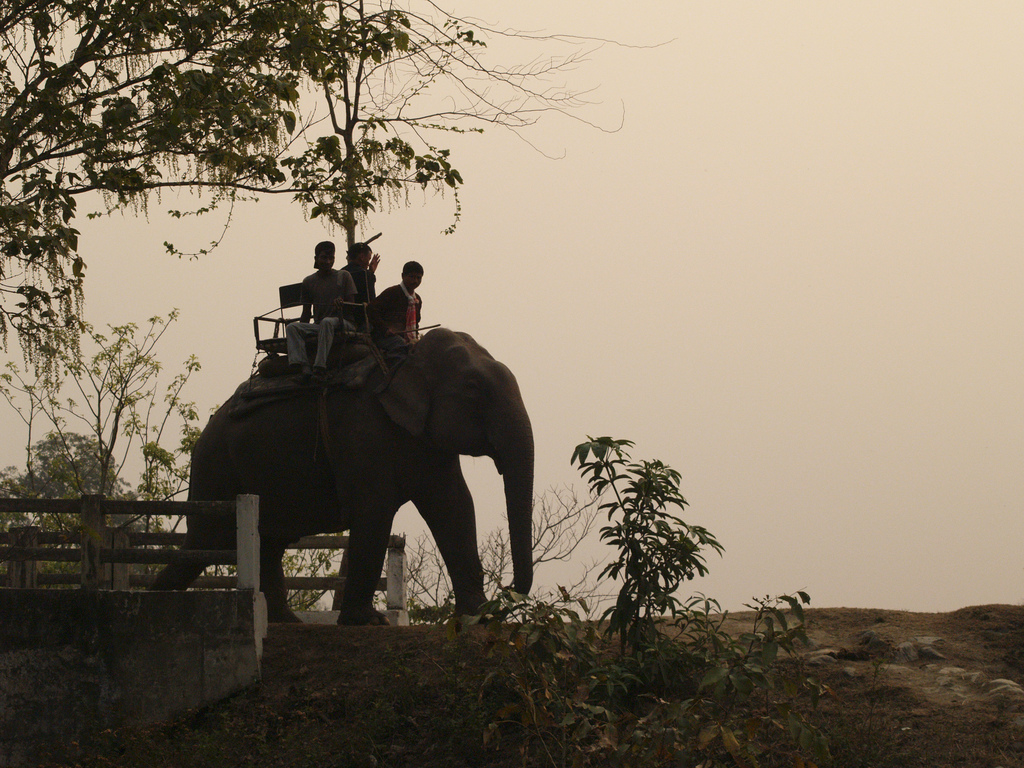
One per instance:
[(93, 530), (398, 614), (247, 563), (22, 574), (119, 572)]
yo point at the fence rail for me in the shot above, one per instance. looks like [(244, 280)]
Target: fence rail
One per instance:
[(106, 552)]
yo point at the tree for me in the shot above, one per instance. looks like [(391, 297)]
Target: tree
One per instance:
[(124, 99), (391, 77), (60, 466), (98, 410)]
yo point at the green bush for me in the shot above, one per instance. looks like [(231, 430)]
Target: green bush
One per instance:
[(675, 689)]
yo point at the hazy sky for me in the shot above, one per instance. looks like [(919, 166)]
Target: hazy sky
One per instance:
[(794, 275)]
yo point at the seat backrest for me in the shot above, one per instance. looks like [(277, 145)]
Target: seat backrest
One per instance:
[(291, 295)]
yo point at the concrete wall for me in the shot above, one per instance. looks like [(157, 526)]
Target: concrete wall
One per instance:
[(74, 661)]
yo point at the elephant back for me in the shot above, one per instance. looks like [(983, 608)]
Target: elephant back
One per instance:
[(258, 391)]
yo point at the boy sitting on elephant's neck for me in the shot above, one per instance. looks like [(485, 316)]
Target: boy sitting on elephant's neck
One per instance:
[(395, 314)]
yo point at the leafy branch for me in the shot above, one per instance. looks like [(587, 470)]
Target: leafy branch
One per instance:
[(657, 551)]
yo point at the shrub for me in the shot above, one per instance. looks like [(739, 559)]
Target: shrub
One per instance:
[(675, 689)]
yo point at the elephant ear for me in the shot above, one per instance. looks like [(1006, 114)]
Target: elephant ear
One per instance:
[(407, 400)]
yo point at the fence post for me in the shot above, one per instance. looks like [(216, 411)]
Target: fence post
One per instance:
[(93, 529), (397, 612), (247, 564), (21, 574), (247, 515), (119, 573), (108, 543)]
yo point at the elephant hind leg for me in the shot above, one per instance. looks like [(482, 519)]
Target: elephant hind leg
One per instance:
[(272, 583), (177, 576), (180, 575)]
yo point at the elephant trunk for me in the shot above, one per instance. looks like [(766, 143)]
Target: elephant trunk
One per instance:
[(515, 449)]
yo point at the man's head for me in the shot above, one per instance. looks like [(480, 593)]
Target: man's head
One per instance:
[(360, 254), (412, 275), (323, 255)]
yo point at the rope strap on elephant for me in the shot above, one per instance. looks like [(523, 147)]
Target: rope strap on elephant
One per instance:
[(379, 357)]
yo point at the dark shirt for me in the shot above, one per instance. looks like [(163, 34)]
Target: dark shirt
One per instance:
[(365, 280), (387, 311)]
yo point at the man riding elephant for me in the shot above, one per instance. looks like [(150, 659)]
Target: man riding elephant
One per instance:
[(323, 294)]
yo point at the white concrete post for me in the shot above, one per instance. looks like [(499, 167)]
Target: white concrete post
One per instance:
[(397, 613), (247, 517), (247, 568)]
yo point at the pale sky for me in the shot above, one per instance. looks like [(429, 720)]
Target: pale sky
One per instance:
[(794, 275)]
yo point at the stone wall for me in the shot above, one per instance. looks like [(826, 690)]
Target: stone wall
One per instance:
[(75, 661)]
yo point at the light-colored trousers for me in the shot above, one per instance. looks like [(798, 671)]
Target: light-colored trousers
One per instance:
[(297, 333)]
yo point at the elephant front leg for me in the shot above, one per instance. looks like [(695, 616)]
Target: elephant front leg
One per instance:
[(368, 543), (272, 583), (448, 511)]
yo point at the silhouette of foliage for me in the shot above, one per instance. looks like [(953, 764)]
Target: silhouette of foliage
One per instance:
[(330, 103)]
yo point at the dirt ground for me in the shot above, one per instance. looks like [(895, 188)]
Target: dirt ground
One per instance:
[(341, 697), (963, 709)]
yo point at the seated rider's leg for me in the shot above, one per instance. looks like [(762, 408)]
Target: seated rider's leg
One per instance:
[(394, 347), (325, 340), (295, 335)]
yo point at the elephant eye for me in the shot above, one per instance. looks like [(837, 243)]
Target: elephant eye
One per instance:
[(474, 394)]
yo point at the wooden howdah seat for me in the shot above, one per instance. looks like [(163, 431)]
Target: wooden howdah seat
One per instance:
[(346, 348), (290, 296)]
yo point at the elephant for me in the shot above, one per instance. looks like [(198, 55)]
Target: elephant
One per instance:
[(333, 459)]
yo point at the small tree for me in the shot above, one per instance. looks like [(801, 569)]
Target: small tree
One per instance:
[(104, 416), (98, 411), (657, 551)]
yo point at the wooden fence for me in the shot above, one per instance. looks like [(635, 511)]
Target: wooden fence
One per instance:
[(105, 552)]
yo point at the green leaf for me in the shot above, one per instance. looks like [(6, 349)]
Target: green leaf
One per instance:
[(714, 676)]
